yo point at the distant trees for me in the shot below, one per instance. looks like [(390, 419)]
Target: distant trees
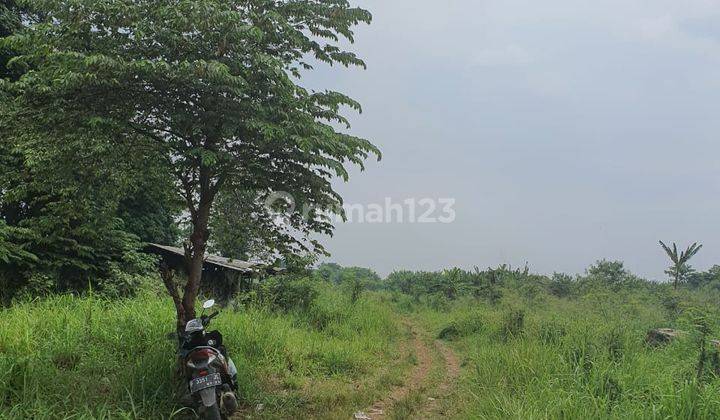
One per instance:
[(354, 279), (703, 278), (367, 276), (610, 273), (561, 285), (492, 284), (454, 283), (330, 272), (450, 283), (680, 269)]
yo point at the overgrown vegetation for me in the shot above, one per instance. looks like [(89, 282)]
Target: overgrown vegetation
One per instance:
[(531, 345), (572, 347), (72, 217), (92, 357), (437, 289), (116, 131)]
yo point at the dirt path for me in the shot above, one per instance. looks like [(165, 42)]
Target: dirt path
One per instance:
[(452, 371), (418, 382)]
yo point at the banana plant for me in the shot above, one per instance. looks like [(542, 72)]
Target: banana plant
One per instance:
[(680, 268)]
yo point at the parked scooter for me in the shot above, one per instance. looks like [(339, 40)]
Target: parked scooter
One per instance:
[(211, 374)]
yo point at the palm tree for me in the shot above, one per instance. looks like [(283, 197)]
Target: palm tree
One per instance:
[(680, 268)]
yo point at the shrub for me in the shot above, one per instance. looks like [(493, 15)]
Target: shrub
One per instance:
[(671, 303), (513, 324), (355, 286), (561, 285), (494, 295), (531, 291), (286, 293), (438, 302), (465, 326), (451, 332)]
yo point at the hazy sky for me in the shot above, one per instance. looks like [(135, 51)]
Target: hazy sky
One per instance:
[(567, 131)]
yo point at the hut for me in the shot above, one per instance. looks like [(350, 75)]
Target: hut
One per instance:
[(222, 277)]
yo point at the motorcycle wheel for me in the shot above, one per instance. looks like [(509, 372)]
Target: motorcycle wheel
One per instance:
[(212, 413)]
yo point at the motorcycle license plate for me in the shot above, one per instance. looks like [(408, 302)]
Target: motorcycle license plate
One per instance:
[(203, 382)]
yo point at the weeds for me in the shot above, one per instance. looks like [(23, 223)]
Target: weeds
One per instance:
[(68, 357), (582, 357), (513, 323)]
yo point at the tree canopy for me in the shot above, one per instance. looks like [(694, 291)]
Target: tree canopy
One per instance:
[(209, 91)]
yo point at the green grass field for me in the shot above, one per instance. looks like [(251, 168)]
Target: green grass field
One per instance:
[(524, 356), (71, 357), (578, 358)]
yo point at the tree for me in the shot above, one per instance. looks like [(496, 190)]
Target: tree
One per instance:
[(76, 229), (703, 278), (150, 210), (450, 284), (12, 255), (561, 285), (242, 232), (680, 268), (211, 88), (611, 273), (10, 22), (330, 272), (68, 222)]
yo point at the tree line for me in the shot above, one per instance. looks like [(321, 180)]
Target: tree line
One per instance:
[(489, 284)]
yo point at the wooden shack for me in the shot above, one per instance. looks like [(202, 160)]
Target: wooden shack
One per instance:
[(222, 277)]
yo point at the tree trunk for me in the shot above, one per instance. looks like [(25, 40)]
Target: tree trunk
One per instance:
[(195, 250), (195, 257)]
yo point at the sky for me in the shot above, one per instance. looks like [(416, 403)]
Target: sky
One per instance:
[(566, 132)]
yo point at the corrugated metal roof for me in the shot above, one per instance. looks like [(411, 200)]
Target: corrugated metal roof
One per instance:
[(229, 263)]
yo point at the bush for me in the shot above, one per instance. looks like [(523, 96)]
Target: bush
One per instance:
[(561, 285), (355, 286), (287, 293), (468, 325), (513, 324), (111, 267)]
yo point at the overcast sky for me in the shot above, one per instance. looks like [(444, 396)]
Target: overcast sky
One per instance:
[(567, 131)]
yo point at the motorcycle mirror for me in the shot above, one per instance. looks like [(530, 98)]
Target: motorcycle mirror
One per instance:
[(209, 304)]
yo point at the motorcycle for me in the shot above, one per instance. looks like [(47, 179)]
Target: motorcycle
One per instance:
[(211, 374)]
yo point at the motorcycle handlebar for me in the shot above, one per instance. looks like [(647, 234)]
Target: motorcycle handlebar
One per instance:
[(206, 319)]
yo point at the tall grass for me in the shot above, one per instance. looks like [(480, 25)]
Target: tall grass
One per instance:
[(69, 357), (576, 358)]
